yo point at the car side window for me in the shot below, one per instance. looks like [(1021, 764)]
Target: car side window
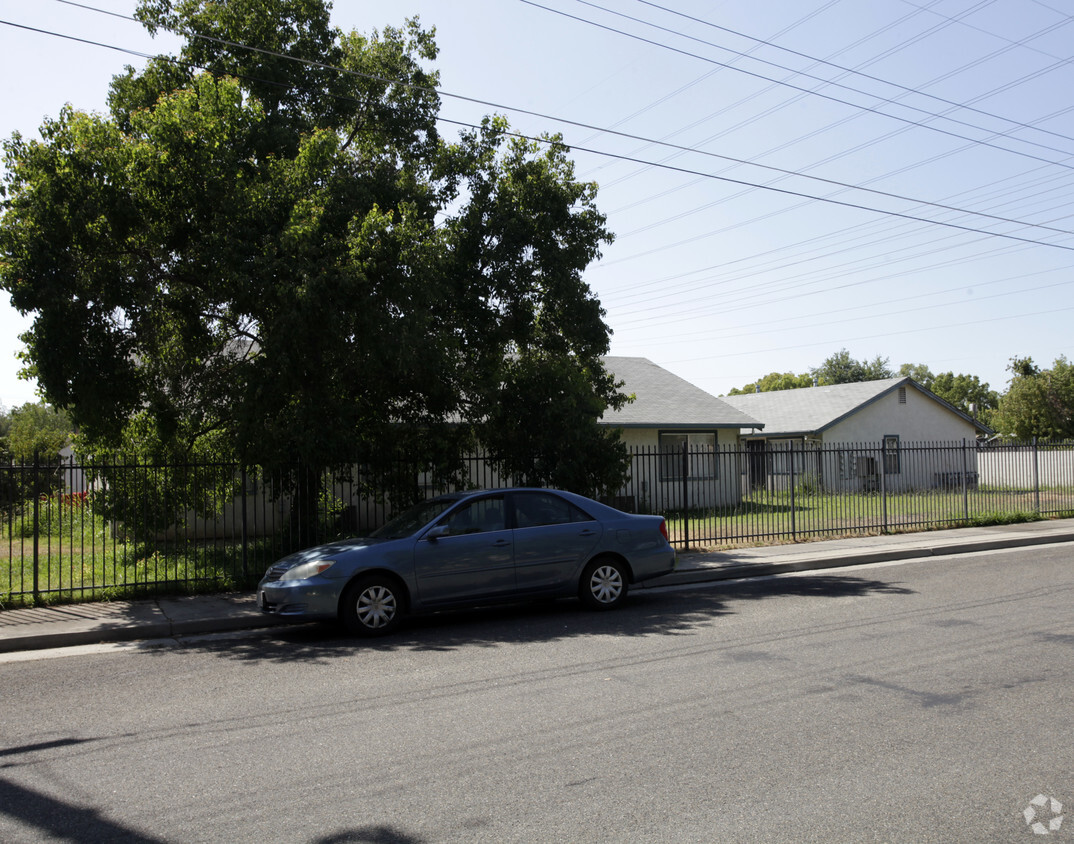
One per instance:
[(481, 516), (533, 509)]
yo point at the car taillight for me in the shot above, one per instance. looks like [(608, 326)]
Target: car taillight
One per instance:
[(664, 530)]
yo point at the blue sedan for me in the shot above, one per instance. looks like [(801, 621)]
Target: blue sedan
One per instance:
[(471, 548)]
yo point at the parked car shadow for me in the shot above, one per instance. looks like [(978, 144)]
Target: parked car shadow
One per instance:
[(371, 835), (646, 613)]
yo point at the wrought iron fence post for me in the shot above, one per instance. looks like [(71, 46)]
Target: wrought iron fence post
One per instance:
[(883, 489), (245, 533), (965, 484), (1036, 477), (794, 513), (686, 493), (37, 526)]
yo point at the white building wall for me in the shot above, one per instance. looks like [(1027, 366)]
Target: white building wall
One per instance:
[(922, 426), (715, 478), (920, 419)]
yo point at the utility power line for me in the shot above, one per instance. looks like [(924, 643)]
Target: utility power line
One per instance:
[(627, 158)]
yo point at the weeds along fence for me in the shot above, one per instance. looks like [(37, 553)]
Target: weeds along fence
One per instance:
[(83, 531)]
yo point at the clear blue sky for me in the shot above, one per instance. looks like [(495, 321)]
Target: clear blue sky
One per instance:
[(951, 112)]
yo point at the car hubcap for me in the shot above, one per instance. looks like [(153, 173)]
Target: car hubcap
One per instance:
[(606, 584), (376, 606)]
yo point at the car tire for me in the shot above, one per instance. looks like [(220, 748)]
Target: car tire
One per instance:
[(373, 605), (604, 584)]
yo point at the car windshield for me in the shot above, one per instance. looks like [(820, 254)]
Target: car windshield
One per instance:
[(410, 520)]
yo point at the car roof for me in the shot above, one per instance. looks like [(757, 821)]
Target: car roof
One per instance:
[(590, 505)]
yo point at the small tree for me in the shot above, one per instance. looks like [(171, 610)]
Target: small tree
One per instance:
[(969, 394), (1039, 402), (33, 434), (37, 429), (841, 368), (775, 381)]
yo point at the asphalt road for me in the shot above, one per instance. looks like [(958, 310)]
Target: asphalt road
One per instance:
[(924, 701)]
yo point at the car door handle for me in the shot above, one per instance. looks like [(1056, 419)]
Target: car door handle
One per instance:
[(588, 532), (501, 543)]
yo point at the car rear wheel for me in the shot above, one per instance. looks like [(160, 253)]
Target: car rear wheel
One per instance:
[(372, 606), (604, 584)]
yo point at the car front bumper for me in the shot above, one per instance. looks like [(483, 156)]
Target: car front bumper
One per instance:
[(301, 600)]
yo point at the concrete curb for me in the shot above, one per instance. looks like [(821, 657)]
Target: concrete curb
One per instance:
[(150, 621), (157, 630), (703, 574)]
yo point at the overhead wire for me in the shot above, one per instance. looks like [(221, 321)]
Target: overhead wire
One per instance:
[(856, 72), (708, 206), (601, 130), (680, 215), (813, 92)]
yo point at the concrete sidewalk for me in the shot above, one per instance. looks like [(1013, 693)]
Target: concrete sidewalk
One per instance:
[(118, 621)]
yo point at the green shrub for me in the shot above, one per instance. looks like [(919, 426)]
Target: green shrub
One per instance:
[(1001, 518)]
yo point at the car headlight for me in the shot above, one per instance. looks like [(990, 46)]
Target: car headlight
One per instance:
[(307, 570)]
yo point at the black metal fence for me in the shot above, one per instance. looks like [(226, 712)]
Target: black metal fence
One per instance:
[(79, 531)]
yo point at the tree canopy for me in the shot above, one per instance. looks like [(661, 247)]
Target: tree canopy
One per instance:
[(1039, 402), (36, 430), (775, 381), (273, 251), (841, 368)]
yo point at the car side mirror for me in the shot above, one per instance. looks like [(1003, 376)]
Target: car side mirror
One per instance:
[(437, 531)]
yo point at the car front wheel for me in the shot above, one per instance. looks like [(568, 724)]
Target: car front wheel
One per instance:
[(604, 584), (372, 606)]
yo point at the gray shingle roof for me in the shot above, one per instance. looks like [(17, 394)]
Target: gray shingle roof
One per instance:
[(811, 410), (664, 400)]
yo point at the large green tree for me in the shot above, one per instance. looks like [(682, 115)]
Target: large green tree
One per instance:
[(841, 368), (38, 431), (274, 251), (966, 392), (775, 381), (1039, 402), (33, 434)]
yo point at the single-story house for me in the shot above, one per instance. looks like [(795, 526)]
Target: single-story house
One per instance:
[(668, 410), (667, 416), (670, 415), (862, 436)]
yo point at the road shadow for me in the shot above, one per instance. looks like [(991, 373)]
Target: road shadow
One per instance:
[(678, 612), (48, 818), (370, 835)]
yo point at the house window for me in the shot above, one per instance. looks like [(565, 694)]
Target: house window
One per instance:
[(891, 454), (700, 456)]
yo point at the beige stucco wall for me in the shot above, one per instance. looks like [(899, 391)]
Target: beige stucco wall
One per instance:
[(936, 450), (922, 424), (646, 437), (921, 419), (648, 489)]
